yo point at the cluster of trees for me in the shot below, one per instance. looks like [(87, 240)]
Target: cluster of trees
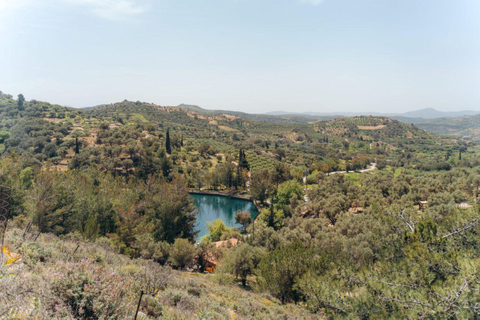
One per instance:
[(391, 260), (95, 204)]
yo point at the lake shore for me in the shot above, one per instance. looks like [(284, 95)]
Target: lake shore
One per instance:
[(221, 194)]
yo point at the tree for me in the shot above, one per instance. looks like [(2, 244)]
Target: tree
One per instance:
[(20, 101), (169, 210), (166, 166), (50, 150), (92, 228), (282, 268), (281, 173), (381, 164), (216, 229), (204, 149), (4, 135), (182, 254), (272, 216), (260, 185), (243, 217), (242, 160), (243, 260), (51, 203), (77, 146), (280, 154), (168, 146), (289, 189)]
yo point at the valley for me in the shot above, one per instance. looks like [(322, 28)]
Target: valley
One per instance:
[(373, 210)]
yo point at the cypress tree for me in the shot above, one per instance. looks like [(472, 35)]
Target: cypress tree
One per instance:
[(242, 160), (20, 101), (168, 147), (271, 217), (77, 146)]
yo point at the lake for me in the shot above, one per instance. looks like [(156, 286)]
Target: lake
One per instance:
[(213, 207)]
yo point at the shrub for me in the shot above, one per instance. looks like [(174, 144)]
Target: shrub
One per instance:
[(182, 254), (90, 291)]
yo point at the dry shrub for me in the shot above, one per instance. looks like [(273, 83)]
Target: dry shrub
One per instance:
[(90, 291)]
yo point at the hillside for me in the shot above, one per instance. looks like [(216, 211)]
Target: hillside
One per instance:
[(279, 117), (119, 136), (97, 208), (49, 280), (467, 127)]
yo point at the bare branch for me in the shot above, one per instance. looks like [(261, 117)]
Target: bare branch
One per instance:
[(458, 230)]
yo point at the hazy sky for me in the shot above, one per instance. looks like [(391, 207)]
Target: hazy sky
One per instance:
[(248, 55)]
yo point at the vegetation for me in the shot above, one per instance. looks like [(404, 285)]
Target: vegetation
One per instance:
[(100, 200)]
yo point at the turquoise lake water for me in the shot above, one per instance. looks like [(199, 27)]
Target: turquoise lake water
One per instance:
[(212, 207)]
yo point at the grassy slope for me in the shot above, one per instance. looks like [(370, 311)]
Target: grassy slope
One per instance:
[(48, 277)]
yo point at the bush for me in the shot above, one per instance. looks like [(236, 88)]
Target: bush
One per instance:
[(33, 253), (182, 254), (89, 291)]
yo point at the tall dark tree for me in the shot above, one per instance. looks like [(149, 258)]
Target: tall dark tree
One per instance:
[(20, 101), (271, 217), (165, 166), (168, 146), (77, 146), (242, 160)]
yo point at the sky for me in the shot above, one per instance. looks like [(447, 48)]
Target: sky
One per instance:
[(247, 55)]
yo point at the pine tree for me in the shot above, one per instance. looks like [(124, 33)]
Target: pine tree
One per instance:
[(77, 146), (168, 147)]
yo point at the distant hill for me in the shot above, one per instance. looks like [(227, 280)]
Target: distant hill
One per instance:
[(462, 124), (427, 113), (455, 123), (274, 118), (467, 127), (430, 113)]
